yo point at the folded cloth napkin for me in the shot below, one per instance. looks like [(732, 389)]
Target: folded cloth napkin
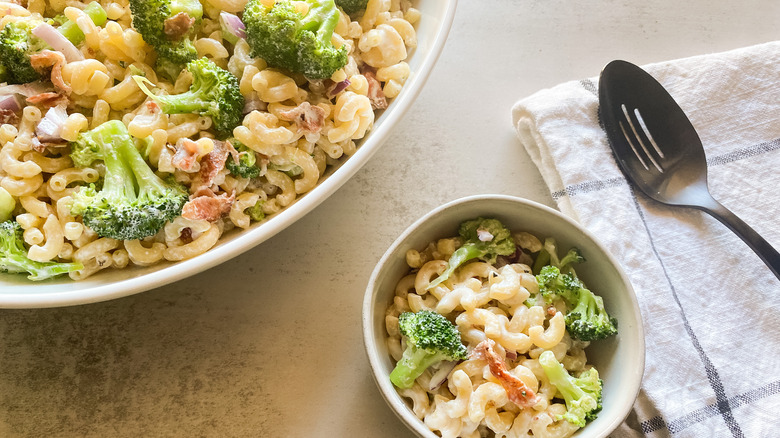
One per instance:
[(710, 307)]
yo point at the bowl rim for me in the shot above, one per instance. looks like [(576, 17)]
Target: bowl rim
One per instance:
[(386, 389), (252, 237)]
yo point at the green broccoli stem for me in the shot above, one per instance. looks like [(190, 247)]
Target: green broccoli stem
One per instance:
[(70, 30), (413, 363), (322, 20), (13, 256), (187, 102), (587, 305), (18, 263), (460, 256), (148, 182), (118, 182), (193, 8)]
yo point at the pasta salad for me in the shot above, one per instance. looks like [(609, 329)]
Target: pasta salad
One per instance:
[(139, 131), (489, 330)]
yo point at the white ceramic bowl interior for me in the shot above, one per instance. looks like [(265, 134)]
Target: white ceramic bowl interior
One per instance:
[(620, 360), (18, 292)]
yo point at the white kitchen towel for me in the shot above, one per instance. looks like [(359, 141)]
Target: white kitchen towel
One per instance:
[(710, 307)]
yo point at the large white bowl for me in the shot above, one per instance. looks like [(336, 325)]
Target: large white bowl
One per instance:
[(18, 292), (620, 360)]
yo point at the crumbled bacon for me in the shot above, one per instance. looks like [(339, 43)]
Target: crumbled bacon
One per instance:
[(42, 146), (185, 155), (47, 99), (178, 26), (50, 59), (375, 93), (210, 166), (306, 116), (8, 117), (517, 391), (209, 208)]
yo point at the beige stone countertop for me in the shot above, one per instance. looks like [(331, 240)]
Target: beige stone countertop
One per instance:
[(269, 344)]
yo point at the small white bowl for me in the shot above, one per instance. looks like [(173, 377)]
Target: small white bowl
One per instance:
[(18, 292), (620, 360)]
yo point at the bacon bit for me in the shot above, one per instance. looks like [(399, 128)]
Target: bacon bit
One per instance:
[(49, 58), (375, 93), (178, 26), (210, 166), (551, 310), (46, 99), (209, 208), (185, 157), (517, 391), (41, 147), (306, 116), (8, 117)]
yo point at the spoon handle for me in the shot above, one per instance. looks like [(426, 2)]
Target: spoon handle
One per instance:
[(758, 244)]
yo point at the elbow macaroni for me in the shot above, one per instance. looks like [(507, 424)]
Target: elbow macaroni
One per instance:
[(43, 180), (485, 303)]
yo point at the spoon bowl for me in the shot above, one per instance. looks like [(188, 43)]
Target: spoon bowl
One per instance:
[(659, 150)]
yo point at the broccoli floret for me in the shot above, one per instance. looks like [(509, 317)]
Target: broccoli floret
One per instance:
[(14, 260), (71, 30), (549, 256), (214, 92), (174, 49), (246, 166), (17, 43), (582, 394), (430, 339), (485, 239), (587, 319), (134, 202), (299, 42), (352, 6), (256, 212)]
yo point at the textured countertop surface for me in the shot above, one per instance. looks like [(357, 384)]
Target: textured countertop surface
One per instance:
[(270, 343)]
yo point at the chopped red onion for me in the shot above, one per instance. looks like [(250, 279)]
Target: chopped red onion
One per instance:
[(49, 129), (58, 42), (233, 28), (484, 235), (440, 375), (10, 102), (253, 103), (339, 87)]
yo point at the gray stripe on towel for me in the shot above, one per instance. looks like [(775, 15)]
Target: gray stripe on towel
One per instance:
[(713, 376)]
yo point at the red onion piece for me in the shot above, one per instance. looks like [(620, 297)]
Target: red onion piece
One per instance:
[(441, 374), (232, 27), (58, 42), (49, 129), (339, 87), (10, 102)]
